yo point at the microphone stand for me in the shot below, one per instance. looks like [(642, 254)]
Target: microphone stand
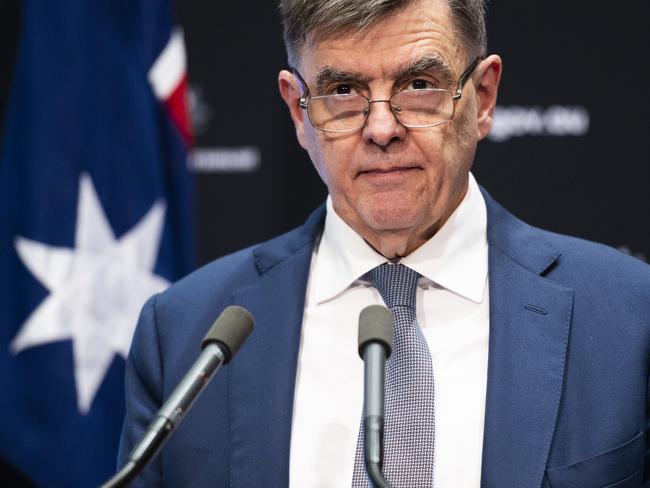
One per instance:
[(375, 344), (170, 415), (220, 344), (374, 359)]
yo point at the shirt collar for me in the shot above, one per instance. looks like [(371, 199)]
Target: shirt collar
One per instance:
[(455, 258)]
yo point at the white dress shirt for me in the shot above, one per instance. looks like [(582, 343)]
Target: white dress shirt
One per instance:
[(453, 312)]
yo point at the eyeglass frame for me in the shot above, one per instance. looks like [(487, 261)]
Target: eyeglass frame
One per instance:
[(462, 80)]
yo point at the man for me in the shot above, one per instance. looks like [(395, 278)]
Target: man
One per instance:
[(538, 344)]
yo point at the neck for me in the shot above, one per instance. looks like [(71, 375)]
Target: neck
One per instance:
[(398, 243)]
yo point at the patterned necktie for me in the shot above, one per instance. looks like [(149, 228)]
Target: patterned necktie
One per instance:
[(409, 431)]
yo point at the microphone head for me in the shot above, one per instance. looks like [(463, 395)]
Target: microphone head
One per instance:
[(230, 330), (376, 325)]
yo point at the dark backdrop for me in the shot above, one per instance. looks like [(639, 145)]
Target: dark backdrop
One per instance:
[(570, 146)]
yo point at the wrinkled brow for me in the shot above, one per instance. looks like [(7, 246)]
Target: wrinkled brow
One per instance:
[(328, 75)]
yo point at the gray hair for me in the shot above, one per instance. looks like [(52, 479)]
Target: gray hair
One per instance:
[(316, 20)]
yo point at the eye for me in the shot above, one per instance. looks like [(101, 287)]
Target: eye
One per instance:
[(419, 84), (341, 90)]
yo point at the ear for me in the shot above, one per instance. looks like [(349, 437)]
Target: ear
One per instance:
[(488, 75), (291, 91)]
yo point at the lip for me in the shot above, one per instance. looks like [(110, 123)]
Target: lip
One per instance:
[(388, 171)]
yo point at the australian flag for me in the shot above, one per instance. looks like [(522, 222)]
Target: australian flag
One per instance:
[(95, 212)]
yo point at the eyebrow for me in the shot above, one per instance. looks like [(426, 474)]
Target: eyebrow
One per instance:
[(431, 62), (328, 74)]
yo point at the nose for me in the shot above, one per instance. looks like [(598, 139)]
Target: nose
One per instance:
[(382, 127)]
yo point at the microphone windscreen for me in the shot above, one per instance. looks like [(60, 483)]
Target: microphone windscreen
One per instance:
[(231, 330), (376, 325)]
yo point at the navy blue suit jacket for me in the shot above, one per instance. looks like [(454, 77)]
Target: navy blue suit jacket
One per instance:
[(567, 395)]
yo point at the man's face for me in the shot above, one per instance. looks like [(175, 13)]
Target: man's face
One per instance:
[(394, 185)]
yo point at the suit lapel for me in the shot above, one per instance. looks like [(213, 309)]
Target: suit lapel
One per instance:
[(261, 383), (530, 319)]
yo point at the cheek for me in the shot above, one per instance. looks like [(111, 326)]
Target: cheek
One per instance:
[(328, 156), (466, 125), (314, 149), (459, 144), (438, 149)]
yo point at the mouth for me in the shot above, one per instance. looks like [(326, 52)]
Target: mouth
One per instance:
[(390, 171)]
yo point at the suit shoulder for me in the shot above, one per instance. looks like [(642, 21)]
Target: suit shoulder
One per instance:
[(599, 271), (227, 272), (594, 256)]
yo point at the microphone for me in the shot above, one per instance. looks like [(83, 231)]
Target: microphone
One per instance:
[(375, 344), (220, 345)]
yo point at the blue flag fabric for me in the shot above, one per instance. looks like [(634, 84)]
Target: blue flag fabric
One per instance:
[(95, 216)]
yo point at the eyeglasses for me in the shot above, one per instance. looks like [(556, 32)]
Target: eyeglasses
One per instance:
[(415, 108)]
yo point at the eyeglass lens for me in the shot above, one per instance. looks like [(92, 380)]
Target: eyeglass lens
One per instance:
[(413, 108)]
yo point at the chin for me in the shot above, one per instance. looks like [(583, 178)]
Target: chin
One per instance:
[(391, 218)]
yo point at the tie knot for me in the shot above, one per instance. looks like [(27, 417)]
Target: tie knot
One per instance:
[(396, 284)]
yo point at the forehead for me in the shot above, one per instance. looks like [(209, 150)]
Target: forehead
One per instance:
[(423, 29)]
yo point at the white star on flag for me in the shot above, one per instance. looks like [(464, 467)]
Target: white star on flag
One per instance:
[(96, 289)]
